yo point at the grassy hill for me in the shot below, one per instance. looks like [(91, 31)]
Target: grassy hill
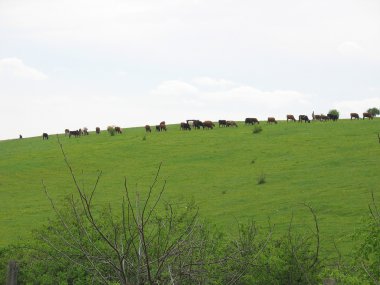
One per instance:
[(333, 166)]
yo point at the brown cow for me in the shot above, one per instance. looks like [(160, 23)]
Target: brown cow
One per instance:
[(324, 118), (231, 124), (367, 115), (355, 116), (118, 130), (317, 117), (97, 130), (147, 128), (208, 125), (271, 120), (251, 121), (163, 126), (290, 117)]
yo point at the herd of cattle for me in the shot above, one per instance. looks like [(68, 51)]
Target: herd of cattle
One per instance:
[(197, 124)]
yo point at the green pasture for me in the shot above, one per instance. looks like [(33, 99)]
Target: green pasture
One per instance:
[(333, 166)]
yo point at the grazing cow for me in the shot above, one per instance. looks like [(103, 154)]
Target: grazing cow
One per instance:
[(231, 124), (303, 118), (333, 117), (354, 115), (316, 117), (251, 121), (67, 131), (197, 124), (222, 123), (271, 120), (367, 115), (76, 133), (324, 118), (97, 130), (85, 131), (147, 128), (45, 136), (290, 117), (208, 125), (185, 126), (158, 128), (118, 130)]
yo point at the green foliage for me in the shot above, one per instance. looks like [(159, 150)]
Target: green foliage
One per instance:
[(261, 179), (374, 111), (334, 112), (367, 256), (257, 129)]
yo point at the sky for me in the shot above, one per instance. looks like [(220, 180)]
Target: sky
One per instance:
[(81, 63)]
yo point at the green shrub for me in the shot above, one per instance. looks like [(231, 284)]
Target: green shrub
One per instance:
[(257, 129)]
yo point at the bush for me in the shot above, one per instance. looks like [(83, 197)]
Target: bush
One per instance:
[(257, 129), (261, 179), (334, 112), (374, 111)]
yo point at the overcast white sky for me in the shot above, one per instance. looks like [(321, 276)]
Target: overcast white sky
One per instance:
[(76, 63)]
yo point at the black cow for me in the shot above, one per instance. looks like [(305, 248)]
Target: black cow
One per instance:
[(45, 136), (303, 118), (222, 123), (197, 124), (251, 121), (185, 126), (333, 117), (76, 133)]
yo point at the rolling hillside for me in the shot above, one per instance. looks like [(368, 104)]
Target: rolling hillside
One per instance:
[(333, 166)]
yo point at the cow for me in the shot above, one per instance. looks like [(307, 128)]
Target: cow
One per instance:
[(290, 117), (148, 129), (85, 131), (324, 118), (67, 131), (118, 130), (76, 133), (185, 126), (251, 121), (45, 136), (354, 115), (20, 136), (303, 118), (367, 115), (222, 123), (271, 120), (208, 125), (163, 126), (317, 117), (97, 130), (197, 124), (158, 128), (333, 117), (231, 124)]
